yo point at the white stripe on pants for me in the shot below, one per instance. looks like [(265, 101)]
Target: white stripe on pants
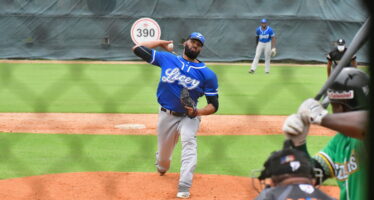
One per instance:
[(266, 47)]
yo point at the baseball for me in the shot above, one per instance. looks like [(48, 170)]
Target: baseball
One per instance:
[(171, 46)]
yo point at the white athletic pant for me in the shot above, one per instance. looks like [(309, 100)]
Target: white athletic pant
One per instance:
[(168, 130), (266, 48)]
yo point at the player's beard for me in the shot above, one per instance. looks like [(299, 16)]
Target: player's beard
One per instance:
[(190, 53)]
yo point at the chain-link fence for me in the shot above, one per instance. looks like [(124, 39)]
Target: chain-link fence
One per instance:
[(100, 30)]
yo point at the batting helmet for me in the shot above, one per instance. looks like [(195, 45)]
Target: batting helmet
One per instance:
[(351, 89)]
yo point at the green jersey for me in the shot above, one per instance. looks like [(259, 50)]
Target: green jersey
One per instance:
[(342, 158)]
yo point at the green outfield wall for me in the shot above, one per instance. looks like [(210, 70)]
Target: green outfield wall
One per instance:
[(100, 29)]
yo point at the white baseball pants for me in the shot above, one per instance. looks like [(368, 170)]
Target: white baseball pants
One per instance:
[(266, 48), (168, 130)]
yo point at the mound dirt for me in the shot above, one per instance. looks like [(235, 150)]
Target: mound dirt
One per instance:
[(85, 123), (129, 186)]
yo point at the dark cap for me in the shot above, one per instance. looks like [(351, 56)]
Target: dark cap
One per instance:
[(197, 36), (287, 161), (340, 42)]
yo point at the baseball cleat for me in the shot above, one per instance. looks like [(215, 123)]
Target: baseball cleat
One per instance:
[(161, 172), (183, 195), (251, 71)]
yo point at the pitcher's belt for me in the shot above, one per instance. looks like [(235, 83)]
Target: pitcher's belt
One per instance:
[(177, 114)]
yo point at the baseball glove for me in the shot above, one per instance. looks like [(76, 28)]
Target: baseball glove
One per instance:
[(187, 101), (273, 52)]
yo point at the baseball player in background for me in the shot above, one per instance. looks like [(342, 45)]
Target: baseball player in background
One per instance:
[(344, 156), (334, 56), (180, 73), (265, 40)]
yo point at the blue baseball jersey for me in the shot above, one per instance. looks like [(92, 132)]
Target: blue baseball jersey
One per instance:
[(177, 73), (265, 35)]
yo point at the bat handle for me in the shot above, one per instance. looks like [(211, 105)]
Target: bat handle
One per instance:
[(288, 144), (318, 96)]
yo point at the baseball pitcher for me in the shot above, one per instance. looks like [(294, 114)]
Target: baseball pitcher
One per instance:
[(183, 80)]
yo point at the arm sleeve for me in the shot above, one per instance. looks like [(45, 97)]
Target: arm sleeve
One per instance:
[(144, 53), (152, 56), (317, 164), (325, 158), (213, 100), (211, 90)]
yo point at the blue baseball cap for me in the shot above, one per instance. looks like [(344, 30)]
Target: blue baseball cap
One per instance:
[(197, 36), (264, 21)]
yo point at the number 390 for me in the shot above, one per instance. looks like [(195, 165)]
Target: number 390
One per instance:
[(145, 32)]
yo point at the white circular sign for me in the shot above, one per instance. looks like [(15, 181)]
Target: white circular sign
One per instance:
[(145, 29)]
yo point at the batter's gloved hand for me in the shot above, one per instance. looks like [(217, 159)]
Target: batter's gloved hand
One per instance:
[(295, 129), (273, 52), (188, 103), (312, 111)]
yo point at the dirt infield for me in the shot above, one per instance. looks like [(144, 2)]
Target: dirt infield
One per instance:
[(78, 123), (125, 185)]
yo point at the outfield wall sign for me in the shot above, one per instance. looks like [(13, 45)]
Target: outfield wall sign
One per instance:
[(145, 29)]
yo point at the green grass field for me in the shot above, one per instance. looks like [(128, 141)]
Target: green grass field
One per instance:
[(35, 154), (131, 88), (115, 88)]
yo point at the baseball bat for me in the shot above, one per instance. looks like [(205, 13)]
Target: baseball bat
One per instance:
[(288, 144), (358, 40)]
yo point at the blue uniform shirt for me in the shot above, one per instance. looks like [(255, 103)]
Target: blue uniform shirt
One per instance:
[(176, 73), (265, 35)]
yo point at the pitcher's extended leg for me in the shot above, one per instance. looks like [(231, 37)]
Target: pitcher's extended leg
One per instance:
[(167, 137)]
